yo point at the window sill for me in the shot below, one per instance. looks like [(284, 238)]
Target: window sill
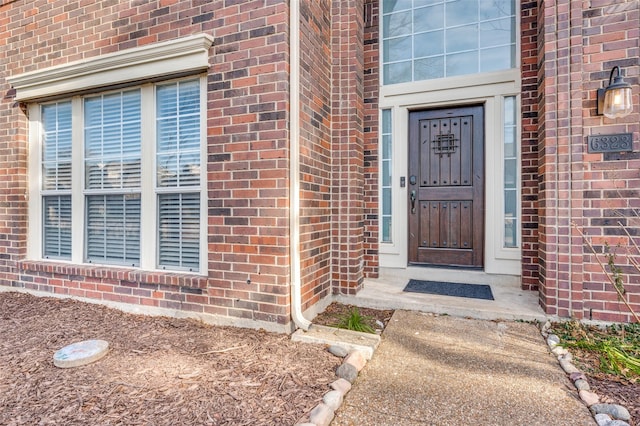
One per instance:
[(81, 272)]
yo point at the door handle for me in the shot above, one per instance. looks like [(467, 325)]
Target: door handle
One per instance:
[(413, 202)]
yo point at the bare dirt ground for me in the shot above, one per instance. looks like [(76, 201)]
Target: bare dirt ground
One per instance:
[(159, 371)]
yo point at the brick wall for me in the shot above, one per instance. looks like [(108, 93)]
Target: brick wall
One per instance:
[(347, 145), (580, 42), (371, 153), (247, 147), (529, 142), (315, 150), (545, 198), (568, 50)]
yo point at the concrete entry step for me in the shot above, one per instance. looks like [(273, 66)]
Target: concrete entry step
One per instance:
[(350, 340)]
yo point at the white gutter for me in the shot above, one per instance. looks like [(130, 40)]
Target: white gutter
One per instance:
[(294, 166)]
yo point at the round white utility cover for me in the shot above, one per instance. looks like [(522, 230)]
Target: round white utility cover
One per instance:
[(80, 353)]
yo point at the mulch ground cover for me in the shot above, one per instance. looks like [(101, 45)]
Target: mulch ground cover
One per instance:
[(159, 371), (167, 371)]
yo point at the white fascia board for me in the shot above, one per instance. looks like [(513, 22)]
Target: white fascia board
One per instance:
[(179, 56)]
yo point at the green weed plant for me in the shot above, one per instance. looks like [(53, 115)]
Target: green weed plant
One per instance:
[(355, 321), (617, 346)]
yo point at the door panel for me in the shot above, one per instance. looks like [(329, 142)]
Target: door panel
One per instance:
[(446, 210)]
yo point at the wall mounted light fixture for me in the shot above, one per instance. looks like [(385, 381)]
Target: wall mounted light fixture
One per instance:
[(614, 101)]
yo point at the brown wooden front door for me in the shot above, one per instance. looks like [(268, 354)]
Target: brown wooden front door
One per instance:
[(446, 187)]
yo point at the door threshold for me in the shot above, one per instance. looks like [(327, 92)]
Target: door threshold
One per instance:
[(448, 267), (453, 275)]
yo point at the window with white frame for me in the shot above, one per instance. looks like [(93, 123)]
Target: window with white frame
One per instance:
[(127, 140), (510, 155), (112, 171), (178, 173), (427, 39), (386, 175), (56, 180)]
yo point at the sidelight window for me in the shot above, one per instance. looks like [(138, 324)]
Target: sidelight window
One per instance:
[(386, 175), (510, 155)]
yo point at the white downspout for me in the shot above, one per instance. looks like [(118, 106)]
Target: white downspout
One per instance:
[(294, 166)]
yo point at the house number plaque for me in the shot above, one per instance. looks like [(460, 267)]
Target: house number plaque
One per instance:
[(622, 142)]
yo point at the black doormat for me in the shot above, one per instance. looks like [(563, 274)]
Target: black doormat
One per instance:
[(473, 291)]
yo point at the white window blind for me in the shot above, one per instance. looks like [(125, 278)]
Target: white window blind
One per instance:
[(112, 141), (178, 134), (112, 136), (178, 174), (179, 230), (57, 226), (56, 180), (113, 229)]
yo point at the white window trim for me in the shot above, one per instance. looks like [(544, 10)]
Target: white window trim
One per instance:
[(149, 191), (498, 260), (161, 61), (187, 55)]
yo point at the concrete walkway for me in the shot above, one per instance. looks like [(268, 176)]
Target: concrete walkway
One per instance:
[(441, 370)]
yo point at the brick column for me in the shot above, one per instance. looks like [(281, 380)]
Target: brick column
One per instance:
[(371, 21), (347, 141), (529, 143), (560, 156), (611, 181), (579, 43)]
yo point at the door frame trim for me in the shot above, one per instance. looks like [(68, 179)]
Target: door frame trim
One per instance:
[(497, 259)]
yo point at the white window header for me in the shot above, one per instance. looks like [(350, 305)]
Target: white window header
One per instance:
[(180, 56)]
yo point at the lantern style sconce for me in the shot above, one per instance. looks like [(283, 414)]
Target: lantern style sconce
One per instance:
[(614, 101)]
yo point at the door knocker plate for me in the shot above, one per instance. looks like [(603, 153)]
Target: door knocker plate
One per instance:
[(444, 144)]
